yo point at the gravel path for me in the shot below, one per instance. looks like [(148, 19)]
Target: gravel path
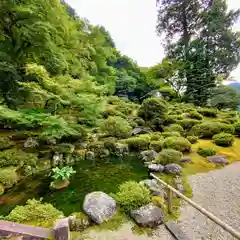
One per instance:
[(219, 192)]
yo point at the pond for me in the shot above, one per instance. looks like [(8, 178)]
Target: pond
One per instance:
[(100, 176)]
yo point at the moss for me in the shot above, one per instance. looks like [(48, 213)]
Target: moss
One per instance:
[(5, 143), (1, 189), (8, 176)]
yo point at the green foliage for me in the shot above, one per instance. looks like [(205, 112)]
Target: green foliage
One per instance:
[(156, 145), (5, 143), (8, 176), (237, 129), (223, 139), (170, 119), (80, 222), (152, 108), (171, 134), (187, 123), (17, 157), (208, 129), (167, 156), (1, 189), (178, 143), (174, 128), (117, 127), (205, 152), (62, 173), (132, 196), (192, 139), (34, 211), (195, 115), (208, 112), (137, 144)]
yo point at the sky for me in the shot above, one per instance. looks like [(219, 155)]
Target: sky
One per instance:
[(131, 24)]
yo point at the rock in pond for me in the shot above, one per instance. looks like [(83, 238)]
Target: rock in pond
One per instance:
[(148, 216), (173, 168), (156, 167), (99, 206), (148, 155), (218, 159), (186, 160)]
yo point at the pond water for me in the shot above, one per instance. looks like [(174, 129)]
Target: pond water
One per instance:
[(100, 176)]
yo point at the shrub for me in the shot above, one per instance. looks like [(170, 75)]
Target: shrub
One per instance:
[(178, 143), (34, 211), (132, 196), (156, 145), (188, 123), (205, 152), (208, 112), (1, 189), (138, 143), (80, 222), (208, 129), (8, 176), (194, 115), (237, 129), (5, 142), (171, 134), (223, 139), (170, 119), (117, 127), (192, 139), (153, 108), (167, 156), (17, 157), (156, 136), (174, 128), (62, 173)]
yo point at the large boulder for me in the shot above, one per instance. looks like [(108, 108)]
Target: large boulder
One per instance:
[(152, 185), (173, 168), (148, 216), (218, 159), (99, 206), (156, 167), (139, 130), (148, 155)]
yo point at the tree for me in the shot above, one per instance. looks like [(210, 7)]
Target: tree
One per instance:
[(199, 33)]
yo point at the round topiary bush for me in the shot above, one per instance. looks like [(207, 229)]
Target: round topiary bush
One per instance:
[(137, 144), (167, 156), (195, 115), (223, 139), (132, 196), (178, 143), (156, 145), (237, 129), (170, 119), (153, 108), (188, 123), (208, 112), (205, 152), (8, 176), (174, 128), (171, 134), (209, 129), (192, 139)]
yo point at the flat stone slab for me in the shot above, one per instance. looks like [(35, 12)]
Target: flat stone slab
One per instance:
[(218, 159), (176, 231)]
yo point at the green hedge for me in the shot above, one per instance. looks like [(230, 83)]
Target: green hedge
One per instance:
[(188, 123), (223, 139), (167, 156), (178, 143), (192, 139), (208, 112)]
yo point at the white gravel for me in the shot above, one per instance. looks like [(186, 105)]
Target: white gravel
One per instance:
[(219, 192)]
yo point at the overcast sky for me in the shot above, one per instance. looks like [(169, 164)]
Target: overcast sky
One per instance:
[(132, 26)]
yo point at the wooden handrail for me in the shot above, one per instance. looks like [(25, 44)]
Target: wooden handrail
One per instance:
[(215, 219)]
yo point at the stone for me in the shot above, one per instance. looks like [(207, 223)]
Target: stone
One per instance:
[(176, 231), (179, 185), (61, 229), (156, 167), (121, 149), (31, 143), (218, 159), (152, 185), (99, 206), (139, 130), (57, 159), (148, 155), (148, 216), (173, 168), (186, 160)]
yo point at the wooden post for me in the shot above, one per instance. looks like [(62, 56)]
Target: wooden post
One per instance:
[(169, 198)]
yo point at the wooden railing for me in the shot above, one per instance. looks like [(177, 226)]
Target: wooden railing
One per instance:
[(215, 219)]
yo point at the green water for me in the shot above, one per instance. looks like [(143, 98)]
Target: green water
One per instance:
[(101, 176)]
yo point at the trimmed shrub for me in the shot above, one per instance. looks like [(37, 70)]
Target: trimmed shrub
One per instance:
[(137, 144), (170, 119), (171, 134), (34, 211), (178, 143), (174, 128), (188, 123), (223, 139), (132, 196), (8, 176), (156, 146), (117, 127), (205, 152), (192, 139), (5, 143), (1, 189), (237, 129), (153, 108), (156, 136), (194, 115), (17, 157), (167, 156), (208, 112), (208, 129)]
